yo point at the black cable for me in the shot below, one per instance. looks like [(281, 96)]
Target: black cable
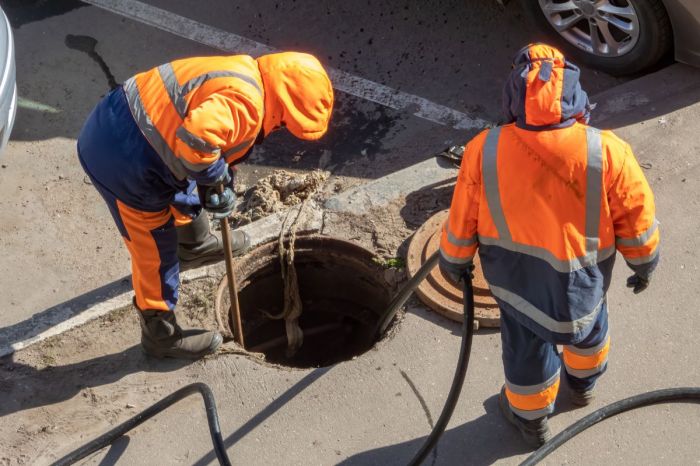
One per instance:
[(458, 381), (109, 437), (633, 402), (637, 401), (405, 292)]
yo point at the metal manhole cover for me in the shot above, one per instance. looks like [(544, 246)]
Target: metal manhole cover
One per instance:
[(438, 292)]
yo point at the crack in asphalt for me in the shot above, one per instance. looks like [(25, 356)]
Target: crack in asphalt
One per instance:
[(423, 405)]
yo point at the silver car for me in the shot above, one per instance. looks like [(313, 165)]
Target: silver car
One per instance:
[(8, 87), (622, 36)]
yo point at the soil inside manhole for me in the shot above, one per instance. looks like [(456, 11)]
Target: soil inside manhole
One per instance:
[(343, 292)]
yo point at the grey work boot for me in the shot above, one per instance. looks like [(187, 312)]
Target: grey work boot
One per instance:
[(581, 397), (197, 246), (535, 432), (162, 337)]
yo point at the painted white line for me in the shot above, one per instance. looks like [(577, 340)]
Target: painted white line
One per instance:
[(377, 193), (232, 43), (64, 318)]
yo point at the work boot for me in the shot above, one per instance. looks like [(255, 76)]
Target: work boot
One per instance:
[(535, 432), (197, 246), (581, 397), (162, 337)]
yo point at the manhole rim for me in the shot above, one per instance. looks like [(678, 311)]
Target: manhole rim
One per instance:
[(486, 310), (264, 254)]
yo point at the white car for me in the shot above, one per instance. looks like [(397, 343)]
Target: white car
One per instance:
[(8, 86)]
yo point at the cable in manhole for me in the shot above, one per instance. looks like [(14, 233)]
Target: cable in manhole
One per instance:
[(343, 293)]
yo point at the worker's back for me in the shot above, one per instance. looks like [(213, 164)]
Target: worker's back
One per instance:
[(544, 199)]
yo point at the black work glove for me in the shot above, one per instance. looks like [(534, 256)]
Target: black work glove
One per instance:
[(458, 277), (217, 201), (638, 283)]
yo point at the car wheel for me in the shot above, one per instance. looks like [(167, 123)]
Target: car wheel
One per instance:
[(616, 36)]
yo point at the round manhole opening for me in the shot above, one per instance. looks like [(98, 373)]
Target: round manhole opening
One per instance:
[(343, 293)]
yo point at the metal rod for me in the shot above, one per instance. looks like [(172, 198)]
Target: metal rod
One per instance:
[(235, 315)]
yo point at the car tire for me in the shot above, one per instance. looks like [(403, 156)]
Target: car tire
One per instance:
[(654, 41)]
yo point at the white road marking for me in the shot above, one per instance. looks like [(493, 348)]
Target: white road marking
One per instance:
[(37, 106), (232, 43)]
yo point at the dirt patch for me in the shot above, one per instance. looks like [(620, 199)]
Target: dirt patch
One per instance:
[(96, 372), (85, 381), (276, 192)]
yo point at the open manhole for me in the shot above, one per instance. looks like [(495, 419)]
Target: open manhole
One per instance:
[(439, 292), (343, 292)]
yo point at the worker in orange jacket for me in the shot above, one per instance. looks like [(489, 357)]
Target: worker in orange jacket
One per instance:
[(161, 146), (547, 200)]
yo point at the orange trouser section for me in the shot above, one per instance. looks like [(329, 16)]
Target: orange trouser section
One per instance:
[(534, 401), (586, 362), (152, 237), (181, 219)]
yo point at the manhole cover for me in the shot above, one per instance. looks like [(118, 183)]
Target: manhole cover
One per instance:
[(439, 292), (343, 293)]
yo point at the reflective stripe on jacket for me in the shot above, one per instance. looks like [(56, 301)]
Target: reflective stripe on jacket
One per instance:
[(198, 112), (547, 200), (547, 210)]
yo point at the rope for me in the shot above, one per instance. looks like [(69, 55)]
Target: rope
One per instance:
[(292, 299)]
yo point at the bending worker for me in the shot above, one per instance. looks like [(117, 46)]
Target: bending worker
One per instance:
[(161, 146), (547, 200)]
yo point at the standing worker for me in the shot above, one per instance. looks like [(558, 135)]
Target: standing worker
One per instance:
[(548, 200), (162, 145)]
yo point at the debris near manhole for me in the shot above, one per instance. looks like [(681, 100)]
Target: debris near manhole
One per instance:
[(276, 192)]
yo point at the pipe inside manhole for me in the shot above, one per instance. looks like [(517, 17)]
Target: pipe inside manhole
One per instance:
[(343, 293)]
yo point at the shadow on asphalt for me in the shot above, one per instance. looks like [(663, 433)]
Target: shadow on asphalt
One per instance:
[(263, 415), (649, 97), (482, 441), (25, 387), (54, 315), (427, 201), (116, 450)]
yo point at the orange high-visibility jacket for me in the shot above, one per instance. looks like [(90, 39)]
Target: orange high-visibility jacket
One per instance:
[(198, 112), (547, 200)]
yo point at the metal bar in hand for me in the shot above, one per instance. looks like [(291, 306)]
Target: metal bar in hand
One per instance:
[(232, 286)]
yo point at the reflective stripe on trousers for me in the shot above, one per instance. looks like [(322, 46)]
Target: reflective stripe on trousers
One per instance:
[(532, 367), (593, 254), (533, 401), (584, 362)]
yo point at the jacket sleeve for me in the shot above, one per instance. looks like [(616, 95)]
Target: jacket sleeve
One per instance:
[(634, 216), (222, 120), (458, 241)]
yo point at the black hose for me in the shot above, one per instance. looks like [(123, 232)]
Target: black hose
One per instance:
[(109, 437), (405, 292), (458, 381), (645, 399), (633, 402)]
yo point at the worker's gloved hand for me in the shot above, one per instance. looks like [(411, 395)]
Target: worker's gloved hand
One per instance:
[(469, 272), (638, 283), (458, 277), (217, 201)]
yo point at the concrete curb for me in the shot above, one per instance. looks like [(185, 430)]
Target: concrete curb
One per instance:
[(379, 192), (615, 106)]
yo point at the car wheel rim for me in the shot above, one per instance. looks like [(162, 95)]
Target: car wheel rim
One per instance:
[(606, 28)]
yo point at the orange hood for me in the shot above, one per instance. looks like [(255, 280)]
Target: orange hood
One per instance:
[(298, 94)]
